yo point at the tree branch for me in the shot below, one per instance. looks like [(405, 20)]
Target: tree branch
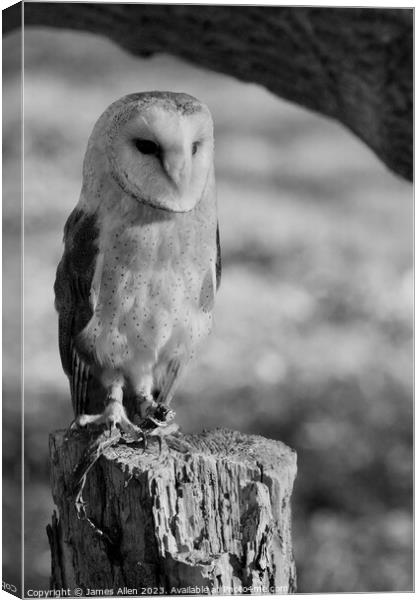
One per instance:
[(352, 64)]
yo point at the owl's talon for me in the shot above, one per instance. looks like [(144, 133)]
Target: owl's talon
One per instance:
[(74, 426), (114, 416)]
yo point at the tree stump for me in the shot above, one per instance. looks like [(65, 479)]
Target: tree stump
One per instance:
[(199, 513)]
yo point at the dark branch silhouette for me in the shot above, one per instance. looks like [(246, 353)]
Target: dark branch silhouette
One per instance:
[(352, 64)]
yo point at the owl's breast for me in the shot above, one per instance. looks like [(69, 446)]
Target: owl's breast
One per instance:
[(154, 293)]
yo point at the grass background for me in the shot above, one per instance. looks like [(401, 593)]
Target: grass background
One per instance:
[(313, 336)]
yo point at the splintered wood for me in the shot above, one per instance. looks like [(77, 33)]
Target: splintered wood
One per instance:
[(205, 513)]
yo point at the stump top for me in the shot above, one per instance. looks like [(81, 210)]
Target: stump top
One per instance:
[(253, 451)]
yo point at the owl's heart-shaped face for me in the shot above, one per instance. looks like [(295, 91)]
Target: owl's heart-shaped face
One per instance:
[(158, 147)]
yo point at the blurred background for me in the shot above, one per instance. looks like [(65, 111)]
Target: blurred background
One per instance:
[(313, 337)]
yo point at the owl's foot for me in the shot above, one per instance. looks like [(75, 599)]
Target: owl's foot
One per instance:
[(153, 414), (145, 405), (161, 416), (114, 416)]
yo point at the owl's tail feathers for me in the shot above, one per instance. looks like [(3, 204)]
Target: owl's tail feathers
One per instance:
[(172, 376), (78, 383)]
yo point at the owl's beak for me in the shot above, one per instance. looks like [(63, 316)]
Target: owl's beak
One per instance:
[(178, 168)]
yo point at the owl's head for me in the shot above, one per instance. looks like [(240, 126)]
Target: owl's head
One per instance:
[(157, 146)]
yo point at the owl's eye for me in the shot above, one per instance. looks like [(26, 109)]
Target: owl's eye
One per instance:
[(194, 148), (147, 146)]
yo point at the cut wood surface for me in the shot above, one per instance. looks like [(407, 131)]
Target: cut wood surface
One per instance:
[(205, 512), (352, 64)]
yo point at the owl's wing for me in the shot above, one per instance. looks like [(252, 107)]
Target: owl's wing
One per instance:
[(208, 293), (218, 259), (72, 299)]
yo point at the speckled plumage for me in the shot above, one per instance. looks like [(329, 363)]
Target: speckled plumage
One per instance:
[(136, 285)]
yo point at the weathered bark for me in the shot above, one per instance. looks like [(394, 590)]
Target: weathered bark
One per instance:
[(353, 64), (209, 511)]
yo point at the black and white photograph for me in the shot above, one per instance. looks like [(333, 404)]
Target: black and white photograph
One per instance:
[(208, 233)]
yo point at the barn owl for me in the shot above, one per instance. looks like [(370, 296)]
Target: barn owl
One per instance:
[(135, 287)]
